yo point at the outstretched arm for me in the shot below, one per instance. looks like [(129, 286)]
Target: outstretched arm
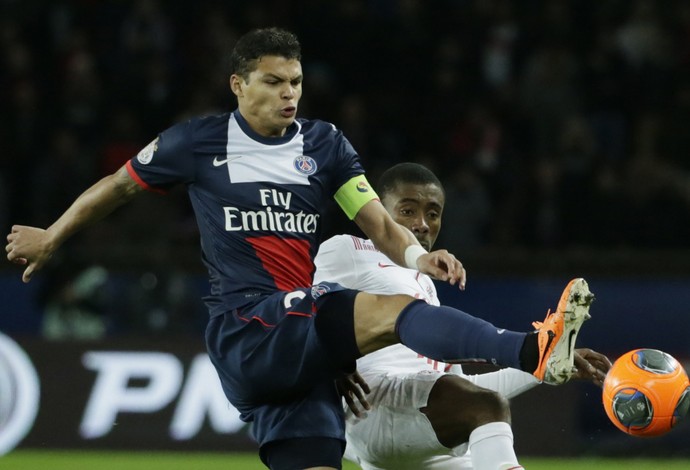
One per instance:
[(394, 240), (33, 247)]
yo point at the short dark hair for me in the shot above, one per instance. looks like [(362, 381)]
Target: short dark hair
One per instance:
[(411, 173), (262, 42)]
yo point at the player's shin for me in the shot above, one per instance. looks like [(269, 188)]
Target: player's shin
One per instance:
[(491, 447), (450, 335)]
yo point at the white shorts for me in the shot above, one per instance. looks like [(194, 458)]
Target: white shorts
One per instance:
[(395, 434)]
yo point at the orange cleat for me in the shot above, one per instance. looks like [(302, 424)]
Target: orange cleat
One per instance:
[(558, 333)]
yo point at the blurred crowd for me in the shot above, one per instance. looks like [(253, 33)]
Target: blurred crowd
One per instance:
[(553, 123)]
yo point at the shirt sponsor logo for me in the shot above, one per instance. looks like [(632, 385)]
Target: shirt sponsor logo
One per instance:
[(269, 220), (305, 165), (274, 216)]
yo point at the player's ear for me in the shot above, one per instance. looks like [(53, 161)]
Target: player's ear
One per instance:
[(236, 83)]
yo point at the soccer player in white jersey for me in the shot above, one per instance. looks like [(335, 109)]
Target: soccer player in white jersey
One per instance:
[(257, 178), (423, 412)]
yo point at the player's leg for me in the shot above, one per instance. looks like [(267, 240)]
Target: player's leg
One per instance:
[(456, 407), (461, 412), (447, 334), (275, 369), (441, 333), (304, 433), (421, 420), (548, 354), (395, 433)]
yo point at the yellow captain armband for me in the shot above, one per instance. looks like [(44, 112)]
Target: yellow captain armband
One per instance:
[(352, 196)]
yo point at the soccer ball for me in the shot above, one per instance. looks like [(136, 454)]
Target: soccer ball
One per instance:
[(646, 393)]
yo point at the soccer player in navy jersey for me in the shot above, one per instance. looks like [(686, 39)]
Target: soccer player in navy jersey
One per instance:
[(256, 178)]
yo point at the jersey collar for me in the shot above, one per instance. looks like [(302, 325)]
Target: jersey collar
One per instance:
[(289, 133)]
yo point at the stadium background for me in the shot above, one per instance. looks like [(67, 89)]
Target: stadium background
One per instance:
[(559, 129)]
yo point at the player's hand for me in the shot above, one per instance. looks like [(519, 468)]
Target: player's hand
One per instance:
[(30, 247), (351, 387), (591, 365), (442, 265)]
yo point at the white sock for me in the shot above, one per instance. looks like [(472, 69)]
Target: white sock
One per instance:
[(491, 447)]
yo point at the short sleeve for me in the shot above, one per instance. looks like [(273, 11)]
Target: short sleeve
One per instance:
[(350, 164), (167, 161)]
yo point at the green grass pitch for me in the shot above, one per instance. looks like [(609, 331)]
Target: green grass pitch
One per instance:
[(89, 460)]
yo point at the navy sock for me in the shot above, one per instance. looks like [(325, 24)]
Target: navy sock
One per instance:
[(447, 334)]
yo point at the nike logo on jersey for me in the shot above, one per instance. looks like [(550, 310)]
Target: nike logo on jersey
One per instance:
[(217, 162), (382, 265)]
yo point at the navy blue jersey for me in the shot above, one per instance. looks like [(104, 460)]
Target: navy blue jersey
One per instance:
[(259, 202)]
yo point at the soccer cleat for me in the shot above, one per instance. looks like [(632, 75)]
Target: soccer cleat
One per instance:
[(558, 332)]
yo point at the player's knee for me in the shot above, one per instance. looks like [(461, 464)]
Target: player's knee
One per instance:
[(481, 406), (456, 407), (375, 319), (386, 305), (492, 407)]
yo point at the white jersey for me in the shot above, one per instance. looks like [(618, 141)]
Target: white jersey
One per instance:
[(394, 433), (355, 263)]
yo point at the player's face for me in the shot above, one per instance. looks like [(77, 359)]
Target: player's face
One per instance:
[(268, 99), (418, 207)]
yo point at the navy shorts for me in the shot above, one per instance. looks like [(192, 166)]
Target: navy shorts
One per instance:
[(275, 368)]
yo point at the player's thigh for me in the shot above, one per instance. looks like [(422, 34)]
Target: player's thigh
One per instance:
[(250, 348), (318, 414), (374, 317)]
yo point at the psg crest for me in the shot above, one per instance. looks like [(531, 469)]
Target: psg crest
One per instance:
[(318, 290), (305, 165)]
